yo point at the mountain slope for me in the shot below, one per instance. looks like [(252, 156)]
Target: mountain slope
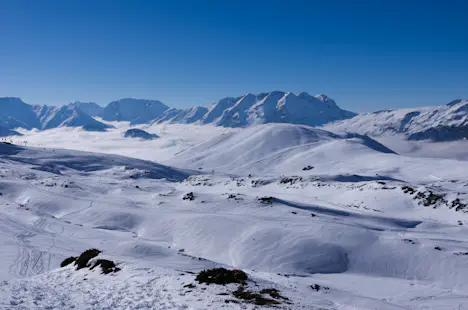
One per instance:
[(90, 108), (272, 147), (135, 111), (15, 113), (70, 116), (188, 116), (442, 123), (273, 107)]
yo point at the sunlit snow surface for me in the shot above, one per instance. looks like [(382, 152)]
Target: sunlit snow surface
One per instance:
[(345, 223)]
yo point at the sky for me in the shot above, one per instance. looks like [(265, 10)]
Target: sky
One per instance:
[(367, 55)]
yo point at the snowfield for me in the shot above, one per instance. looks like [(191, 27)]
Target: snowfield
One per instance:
[(331, 221), (443, 123)]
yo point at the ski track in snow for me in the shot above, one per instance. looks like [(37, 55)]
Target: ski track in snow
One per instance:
[(347, 224)]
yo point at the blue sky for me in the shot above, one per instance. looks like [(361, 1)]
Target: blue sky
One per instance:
[(367, 55)]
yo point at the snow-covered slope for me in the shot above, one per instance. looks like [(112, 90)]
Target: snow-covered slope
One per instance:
[(15, 113), (324, 238), (90, 108), (136, 111), (442, 123), (274, 107), (70, 116), (271, 148), (188, 116)]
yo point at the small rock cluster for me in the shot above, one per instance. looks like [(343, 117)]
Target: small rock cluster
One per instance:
[(83, 261)]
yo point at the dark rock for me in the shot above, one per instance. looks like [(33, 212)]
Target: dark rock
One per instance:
[(67, 261), (273, 293), (221, 276), (254, 298), (317, 287), (189, 196), (265, 200), (85, 257), (107, 266)]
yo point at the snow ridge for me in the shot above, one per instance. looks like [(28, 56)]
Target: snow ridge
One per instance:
[(273, 107), (442, 123)]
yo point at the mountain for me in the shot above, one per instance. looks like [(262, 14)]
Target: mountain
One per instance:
[(442, 123), (141, 134), (280, 148), (70, 116), (135, 111), (188, 116), (273, 107), (217, 109), (15, 113), (244, 111), (90, 108)]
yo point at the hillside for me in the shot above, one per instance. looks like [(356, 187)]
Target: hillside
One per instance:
[(443, 123), (389, 235), (273, 148)]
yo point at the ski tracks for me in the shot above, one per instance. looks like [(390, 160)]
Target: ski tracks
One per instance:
[(30, 260)]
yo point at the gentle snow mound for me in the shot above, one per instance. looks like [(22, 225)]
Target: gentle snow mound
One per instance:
[(265, 148)]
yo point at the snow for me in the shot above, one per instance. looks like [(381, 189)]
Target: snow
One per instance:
[(172, 139), (346, 223), (250, 109), (442, 123), (90, 108), (71, 116), (135, 111), (14, 113)]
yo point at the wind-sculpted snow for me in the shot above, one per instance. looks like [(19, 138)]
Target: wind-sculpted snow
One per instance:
[(330, 221), (58, 161), (443, 123)]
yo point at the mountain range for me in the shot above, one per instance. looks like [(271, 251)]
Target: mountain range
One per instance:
[(442, 123), (273, 107), (250, 109)]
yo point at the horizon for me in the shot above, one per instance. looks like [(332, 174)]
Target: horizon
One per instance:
[(103, 105), (366, 56)]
